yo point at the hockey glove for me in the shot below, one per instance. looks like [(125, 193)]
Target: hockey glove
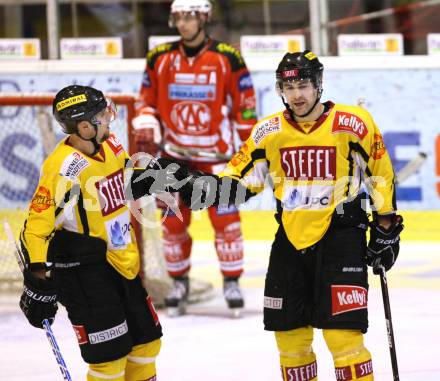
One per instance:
[(38, 300), (204, 190), (383, 246), (194, 187), (200, 191), (147, 135), (170, 175)]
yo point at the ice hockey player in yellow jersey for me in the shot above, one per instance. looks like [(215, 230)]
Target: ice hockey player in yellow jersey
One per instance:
[(318, 157), (79, 228)]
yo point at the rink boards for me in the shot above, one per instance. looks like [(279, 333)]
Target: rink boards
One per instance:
[(418, 263)]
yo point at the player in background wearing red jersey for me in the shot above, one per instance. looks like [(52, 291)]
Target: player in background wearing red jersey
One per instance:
[(317, 156), (196, 93)]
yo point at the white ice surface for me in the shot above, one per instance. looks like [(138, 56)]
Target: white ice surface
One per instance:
[(208, 345)]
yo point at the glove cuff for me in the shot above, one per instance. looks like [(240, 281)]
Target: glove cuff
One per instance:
[(37, 284)]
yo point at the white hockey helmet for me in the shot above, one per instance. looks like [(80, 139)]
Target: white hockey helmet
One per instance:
[(189, 7), (201, 6)]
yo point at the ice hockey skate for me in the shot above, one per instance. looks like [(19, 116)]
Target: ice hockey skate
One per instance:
[(177, 299), (233, 296)]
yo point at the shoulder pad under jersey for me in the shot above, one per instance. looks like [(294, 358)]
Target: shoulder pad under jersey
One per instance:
[(158, 50), (233, 55)]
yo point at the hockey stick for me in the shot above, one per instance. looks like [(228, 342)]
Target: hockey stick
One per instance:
[(389, 323), (195, 152), (49, 333), (44, 122), (410, 168), (407, 171)]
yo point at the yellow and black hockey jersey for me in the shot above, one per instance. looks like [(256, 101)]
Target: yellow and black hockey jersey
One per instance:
[(83, 194), (314, 167)]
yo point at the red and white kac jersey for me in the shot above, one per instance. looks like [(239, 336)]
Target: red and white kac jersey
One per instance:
[(199, 100)]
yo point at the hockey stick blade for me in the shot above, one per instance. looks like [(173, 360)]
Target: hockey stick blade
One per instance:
[(411, 168), (49, 333)]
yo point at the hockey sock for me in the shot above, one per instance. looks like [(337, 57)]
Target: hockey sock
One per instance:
[(141, 362), (298, 362), (112, 370), (352, 360)]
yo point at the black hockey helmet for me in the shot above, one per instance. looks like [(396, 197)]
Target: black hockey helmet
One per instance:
[(300, 65), (76, 103)]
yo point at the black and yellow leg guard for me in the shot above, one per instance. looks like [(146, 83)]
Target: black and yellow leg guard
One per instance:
[(141, 362), (298, 362), (352, 360), (112, 370)]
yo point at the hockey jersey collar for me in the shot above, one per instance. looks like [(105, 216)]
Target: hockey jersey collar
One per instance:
[(191, 60), (100, 156), (328, 108)]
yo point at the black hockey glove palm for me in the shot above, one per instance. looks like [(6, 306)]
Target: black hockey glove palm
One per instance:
[(200, 191), (38, 300), (383, 246)]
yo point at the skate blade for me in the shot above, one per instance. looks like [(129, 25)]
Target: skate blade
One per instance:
[(236, 313)]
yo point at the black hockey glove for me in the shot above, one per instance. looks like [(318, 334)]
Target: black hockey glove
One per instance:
[(170, 175), (161, 175), (204, 190), (383, 246), (200, 191), (38, 300)]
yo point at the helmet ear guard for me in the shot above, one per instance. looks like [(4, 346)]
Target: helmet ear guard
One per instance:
[(279, 91)]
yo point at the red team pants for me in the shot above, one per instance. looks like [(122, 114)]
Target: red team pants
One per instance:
[(228, 238)]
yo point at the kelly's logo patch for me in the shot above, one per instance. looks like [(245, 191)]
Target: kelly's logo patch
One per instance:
[(350, 123), (347, 298)]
